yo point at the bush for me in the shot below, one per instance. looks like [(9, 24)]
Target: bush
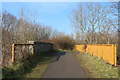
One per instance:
[(64, 42)]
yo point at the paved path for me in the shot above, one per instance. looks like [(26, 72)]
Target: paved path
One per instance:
[(64, 65)]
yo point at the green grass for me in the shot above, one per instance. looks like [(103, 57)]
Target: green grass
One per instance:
[(119, 73), (97, 67), (0, 72), (32, 67), (0, 75)]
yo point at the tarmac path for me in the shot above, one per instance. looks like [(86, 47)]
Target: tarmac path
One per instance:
[(64, 65)]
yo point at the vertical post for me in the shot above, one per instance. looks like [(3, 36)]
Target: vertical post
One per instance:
[(13, 53), (115, 55), (32, 49)]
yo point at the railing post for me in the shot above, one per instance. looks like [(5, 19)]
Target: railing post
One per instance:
[(32, 49), (13, 53), (115, 54)]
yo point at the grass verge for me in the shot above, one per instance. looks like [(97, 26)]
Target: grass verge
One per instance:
[(32, 67), (97, 67), (119, 72)]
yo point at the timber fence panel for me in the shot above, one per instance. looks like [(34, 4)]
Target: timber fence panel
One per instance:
[(105, 51)]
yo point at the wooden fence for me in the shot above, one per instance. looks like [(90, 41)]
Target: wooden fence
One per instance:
[(105, 51)]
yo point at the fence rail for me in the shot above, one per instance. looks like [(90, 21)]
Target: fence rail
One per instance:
[(105, 51)]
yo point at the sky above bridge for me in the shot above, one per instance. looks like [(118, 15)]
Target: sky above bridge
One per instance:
[(54, 14)]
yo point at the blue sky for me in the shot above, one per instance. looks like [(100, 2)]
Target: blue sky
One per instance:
[(54, 14)]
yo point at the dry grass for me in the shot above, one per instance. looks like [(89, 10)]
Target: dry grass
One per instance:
[(97, 67)]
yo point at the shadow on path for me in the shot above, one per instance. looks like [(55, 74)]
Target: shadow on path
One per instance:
[(57, 56), (64, 65)]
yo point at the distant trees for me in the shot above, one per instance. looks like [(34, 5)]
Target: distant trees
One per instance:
[(63, 41), (21, 30), (93, 23)]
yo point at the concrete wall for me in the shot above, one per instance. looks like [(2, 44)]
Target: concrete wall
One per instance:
[(40, 46)]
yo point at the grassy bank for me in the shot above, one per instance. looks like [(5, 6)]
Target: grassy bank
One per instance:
[(32, 67), (0, 72), (97, 67)]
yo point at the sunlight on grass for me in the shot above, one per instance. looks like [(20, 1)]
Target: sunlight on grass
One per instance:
[(97, 67), (37, 72)]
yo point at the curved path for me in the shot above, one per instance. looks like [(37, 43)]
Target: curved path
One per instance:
[(64, 65)]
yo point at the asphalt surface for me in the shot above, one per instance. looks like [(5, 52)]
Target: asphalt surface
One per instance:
[(64, 65)]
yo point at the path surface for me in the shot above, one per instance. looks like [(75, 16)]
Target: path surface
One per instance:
[(64, 65)]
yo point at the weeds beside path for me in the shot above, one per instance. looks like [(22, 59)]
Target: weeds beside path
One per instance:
[(96, 67), (32, 67)]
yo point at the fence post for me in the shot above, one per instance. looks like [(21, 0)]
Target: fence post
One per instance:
[(33, 50), (115, 54), (13, 53)]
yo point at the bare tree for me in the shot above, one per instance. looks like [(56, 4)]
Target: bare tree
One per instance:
[(21, 30), (92, 20)]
